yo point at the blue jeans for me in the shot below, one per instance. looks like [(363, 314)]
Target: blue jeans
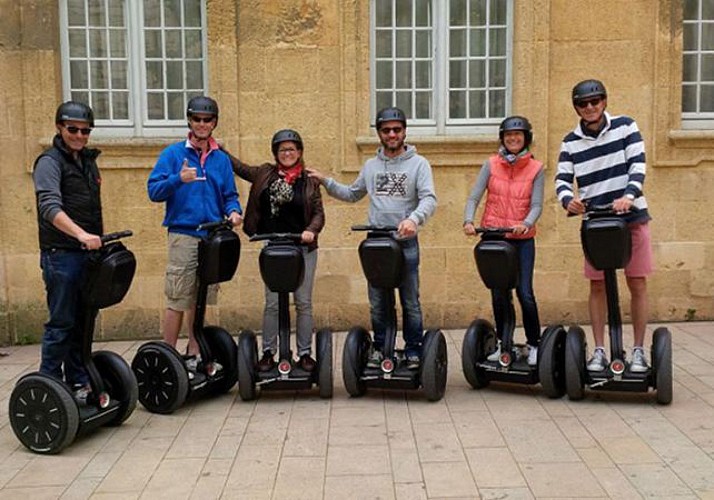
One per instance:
[(501, 299), (62, 273), (412, 322)]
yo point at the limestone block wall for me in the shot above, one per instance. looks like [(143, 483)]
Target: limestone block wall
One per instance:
[(305, 64)]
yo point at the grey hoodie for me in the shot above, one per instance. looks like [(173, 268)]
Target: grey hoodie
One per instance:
[(398, 188)]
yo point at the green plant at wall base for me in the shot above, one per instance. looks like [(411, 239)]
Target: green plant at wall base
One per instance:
[(690, 315), (27, 338)]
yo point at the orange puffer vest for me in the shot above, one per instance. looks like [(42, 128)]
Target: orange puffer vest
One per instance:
[(509, 193)]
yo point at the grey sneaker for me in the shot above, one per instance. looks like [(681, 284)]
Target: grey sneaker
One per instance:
[(495, 354), (532, 355), (192, 365), (413, 362), (81, 394), (375, 358), (599, 361), (639, 362)]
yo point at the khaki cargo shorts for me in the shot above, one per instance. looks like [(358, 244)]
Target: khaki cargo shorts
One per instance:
[(181, 282)]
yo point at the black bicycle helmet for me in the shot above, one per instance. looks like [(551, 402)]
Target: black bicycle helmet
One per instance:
[(516, 123), (76, 111), (587, 89), (284, 135), (390, 115), (202, 104)]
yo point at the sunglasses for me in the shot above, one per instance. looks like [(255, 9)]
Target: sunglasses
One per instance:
[(73, 130), (287, 151), (198, 119), (593, 102), (387, 130)]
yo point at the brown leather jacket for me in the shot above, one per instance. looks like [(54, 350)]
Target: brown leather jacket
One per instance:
[(260, 178)]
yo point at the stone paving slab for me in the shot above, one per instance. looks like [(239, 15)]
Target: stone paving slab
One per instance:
[(505, 441)]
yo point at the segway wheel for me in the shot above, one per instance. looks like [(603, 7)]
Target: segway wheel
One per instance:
[(662, 364), (479, 341), (354, 360), (247, 361), (551, 361), (324, 363), (119, 382), (43, 414), (434, 365), (575, 363), (161, 376), (224, 350)]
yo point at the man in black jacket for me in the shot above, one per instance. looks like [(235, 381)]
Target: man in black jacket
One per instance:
[(69, 215)]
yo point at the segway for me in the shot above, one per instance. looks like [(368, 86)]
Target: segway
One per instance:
[(382, 263), (165, 383), (44, 414), (282, 267), (497, 264), (606, 242)]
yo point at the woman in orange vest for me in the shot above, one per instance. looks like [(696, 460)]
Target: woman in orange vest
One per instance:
[(514, 181)]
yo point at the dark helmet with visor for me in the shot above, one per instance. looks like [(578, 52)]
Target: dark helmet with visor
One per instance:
[(587, 89), (77, 111), (516, 123), (390, 115), (285, 135), (202, 104)]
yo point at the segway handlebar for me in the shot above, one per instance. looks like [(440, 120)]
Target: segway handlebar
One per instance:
[(109, 237), (368, 227), (495, 230), (294, 237), (211, 226)]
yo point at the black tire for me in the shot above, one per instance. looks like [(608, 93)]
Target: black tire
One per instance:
[(434, 365), (551, 362), (161, 376), (354, 360), (575, 347), (119, 382), (479, 341), (224, 350), (43, 414), (662, 364), (247, 361), (324, 362)]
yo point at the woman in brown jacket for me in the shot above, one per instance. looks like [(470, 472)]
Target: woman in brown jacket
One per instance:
[(283, 199)]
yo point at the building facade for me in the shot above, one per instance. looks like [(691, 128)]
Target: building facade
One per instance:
[(323, 67)]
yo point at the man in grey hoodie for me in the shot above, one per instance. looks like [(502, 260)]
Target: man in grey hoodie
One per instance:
[(401, 193)]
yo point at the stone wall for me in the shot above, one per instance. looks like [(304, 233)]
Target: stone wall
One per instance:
[(305, 64)]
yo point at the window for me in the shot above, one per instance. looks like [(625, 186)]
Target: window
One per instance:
[(446, 63), (698, 63), (136, 63)]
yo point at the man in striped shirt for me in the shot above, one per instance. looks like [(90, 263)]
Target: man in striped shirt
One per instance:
[(605, 157)]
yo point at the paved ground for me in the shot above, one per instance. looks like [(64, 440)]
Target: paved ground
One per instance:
[(500, 442)]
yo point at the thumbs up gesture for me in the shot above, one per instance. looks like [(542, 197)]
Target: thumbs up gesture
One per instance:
[(188, 174)]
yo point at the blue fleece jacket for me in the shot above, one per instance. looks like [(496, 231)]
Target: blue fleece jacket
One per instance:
[(190, 204)]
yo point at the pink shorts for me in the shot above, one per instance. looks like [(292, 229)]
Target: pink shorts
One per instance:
[(640, 265)]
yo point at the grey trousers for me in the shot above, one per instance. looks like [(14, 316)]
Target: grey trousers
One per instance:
[(303, 310)]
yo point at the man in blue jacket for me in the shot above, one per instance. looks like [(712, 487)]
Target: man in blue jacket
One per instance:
[(195, 180)]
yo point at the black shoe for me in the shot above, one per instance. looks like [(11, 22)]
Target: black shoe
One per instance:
[(267, 362), (307, 363)]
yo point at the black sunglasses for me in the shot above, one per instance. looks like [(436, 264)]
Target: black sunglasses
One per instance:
[(198, 119), (73, 130), (387, 130)]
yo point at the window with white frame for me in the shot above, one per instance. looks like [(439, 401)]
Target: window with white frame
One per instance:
[(446, 63), (698, 63), (135, 62)]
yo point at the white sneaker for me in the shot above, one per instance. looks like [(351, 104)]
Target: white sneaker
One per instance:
[(639, 362), (599, 361), (495, 354), (532, 355)]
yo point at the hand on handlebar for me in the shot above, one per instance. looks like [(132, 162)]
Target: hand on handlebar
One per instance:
[(469, 229), (90, 241), (576, 207), (308, 237), (622, 205), (407, 228), (520, 229)]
